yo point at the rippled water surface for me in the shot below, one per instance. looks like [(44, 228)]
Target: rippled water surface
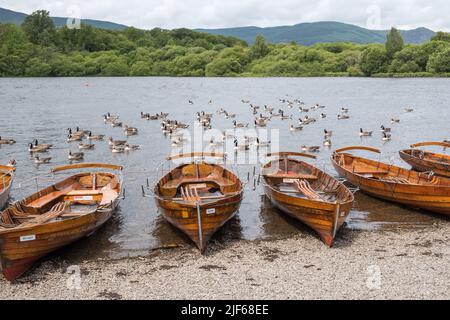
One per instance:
[(45, 108)]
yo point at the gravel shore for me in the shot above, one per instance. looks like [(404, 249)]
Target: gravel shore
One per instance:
[(406, 264)]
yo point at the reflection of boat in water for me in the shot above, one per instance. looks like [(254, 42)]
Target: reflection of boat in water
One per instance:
[(56, 216), (6, 179), (199, 198), (425, 161), (392, 183), (307, 194)]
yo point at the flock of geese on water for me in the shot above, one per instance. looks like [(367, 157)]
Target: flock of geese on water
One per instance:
[(172, 129), (262, 116), (78, 136)]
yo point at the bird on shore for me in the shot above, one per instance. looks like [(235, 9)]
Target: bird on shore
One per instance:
[(12, 163)]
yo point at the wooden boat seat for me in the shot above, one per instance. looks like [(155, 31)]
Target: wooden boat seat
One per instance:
[(292, 175), (77, 193), (56, 211), (175, 183), (48, 198), (369, 171)]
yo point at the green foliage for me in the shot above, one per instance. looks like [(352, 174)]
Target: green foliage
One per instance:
[(40, 28), (373, 60), (259, 48), (441, 36), (38, 49), (394, 42)]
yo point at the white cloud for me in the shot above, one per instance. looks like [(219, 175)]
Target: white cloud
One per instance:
[(230, 13)]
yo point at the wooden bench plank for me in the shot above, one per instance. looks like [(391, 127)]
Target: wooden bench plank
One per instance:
[(44, 200)]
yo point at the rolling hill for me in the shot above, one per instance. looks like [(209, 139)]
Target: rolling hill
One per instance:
[(9, 16), (316, 32)]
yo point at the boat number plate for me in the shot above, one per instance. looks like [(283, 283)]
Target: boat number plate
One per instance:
[(210, 211), (28, 238), (288, 181), (83, 198)]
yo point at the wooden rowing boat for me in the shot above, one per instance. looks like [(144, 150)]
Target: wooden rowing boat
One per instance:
[(307, 194), (6, 178), (56, 216), (199, 197), (425, 161), (392, 183)]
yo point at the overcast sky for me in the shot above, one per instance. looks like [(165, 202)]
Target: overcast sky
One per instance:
[(374, 14)]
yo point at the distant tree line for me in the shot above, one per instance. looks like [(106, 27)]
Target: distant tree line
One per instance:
[(39, 49)]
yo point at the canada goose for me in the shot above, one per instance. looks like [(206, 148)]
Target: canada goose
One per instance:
[(78, 134), (39, 160), (41, 145), (108, 118), (268, 109), (114, 143), (150, 117), (245, 101), (33, 148), (118, 149), (239, 125), (384, 129), (116, 124), (305, 110), (74, 138), (363, 133), (176, 142), (190, 102), (259, 144), (328, 133), (319, 106), (446, 140), (207, 115), (409, 110), (163, 115), (327, 143), (344, 110), (130, 131), (95, 137), (81, 132), (386, 136), (261, 123), (295, 129), (229, 115), (310, 149), (7, 141), (323, 115), (306, 120), (343, 117), (395, 120), (85, 146), (131, 147), (75, 155), (145, 115), (283, 117)]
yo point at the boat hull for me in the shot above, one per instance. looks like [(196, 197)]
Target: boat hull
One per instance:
[(213, 216), (424, 165), (4, 196), (324, 218), (19, 254), (431, 198)]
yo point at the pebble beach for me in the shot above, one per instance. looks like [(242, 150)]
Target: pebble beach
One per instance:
[(403, 264)]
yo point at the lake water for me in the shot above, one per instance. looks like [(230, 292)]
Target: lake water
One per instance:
[(45, 108)]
